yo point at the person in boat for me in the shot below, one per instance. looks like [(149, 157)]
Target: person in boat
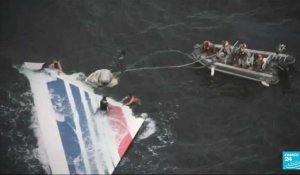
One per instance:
[(55, 64), (226, 52), (104, 106), (208, 47), (259, 62), (131, 100), (242, 55)]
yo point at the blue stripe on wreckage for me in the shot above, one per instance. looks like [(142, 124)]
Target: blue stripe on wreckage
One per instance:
[(87, 97), (84, 127), (67, 129), (89, 102)]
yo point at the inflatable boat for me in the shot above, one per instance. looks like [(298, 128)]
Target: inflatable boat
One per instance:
[(246, 67)]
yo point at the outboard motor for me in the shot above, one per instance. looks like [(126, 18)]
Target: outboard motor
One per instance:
[(280, 48), (283, 75), (282, 58), (285, 65)]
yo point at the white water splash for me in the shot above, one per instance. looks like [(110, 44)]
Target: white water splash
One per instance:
[(39, 152), (149, 130)]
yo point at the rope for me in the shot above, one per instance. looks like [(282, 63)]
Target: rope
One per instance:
[(160, 67), (160, 52), (171, 67)]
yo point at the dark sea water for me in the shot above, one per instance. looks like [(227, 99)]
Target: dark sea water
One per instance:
[(203, 124)]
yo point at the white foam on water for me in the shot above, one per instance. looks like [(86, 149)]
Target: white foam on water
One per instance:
[(149, 129), (40, 152), (152, 150), (79, 169)]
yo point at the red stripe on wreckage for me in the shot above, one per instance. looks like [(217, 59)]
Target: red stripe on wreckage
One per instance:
[(119, 125)]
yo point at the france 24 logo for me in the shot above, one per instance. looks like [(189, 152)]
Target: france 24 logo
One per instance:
[(291, 160)]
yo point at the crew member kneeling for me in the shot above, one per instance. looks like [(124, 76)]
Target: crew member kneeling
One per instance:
[(104, 106)]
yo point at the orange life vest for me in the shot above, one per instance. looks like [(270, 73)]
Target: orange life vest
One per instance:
[(133, 99)]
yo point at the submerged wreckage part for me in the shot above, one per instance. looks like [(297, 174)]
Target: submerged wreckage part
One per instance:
[(102, 77), (255, 65), (76, 138)]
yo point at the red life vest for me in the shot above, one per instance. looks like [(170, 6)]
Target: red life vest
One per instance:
[(260, 59), (209, 45), (133, 100)]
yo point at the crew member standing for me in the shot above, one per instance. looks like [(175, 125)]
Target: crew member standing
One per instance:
[(260, 62), (226, 50), (54, 65)]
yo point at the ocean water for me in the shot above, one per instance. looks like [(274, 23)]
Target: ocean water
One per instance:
[(196, 123)]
